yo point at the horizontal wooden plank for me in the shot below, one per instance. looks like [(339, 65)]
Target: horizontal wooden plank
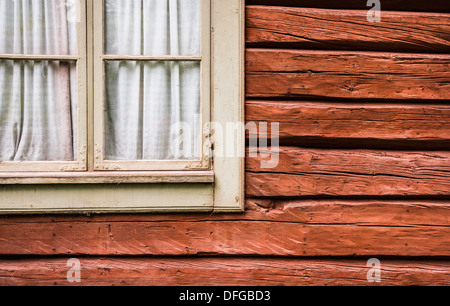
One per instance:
[(222, 272), (314, 172), (357, 212), (339, 212), (273, 73), (99, 177), (37, 57), (105, 198), (392, 5), (347, 30), (354, 124), (310, 228), (159, 58)]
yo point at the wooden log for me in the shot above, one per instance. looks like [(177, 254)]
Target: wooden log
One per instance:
[(294, 228), (361, 212), (222, 272), (276, 73), (314, 172), (347, 30), (392, 5), (366, 212), (354, 124)]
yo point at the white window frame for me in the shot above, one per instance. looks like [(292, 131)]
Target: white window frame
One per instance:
[(211, 184), (100, 58), (11, 169)]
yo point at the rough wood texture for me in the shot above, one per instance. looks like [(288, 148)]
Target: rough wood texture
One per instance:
[(391, 5), (222, 272), (295, 228), (141, 177), (367, 212), (355, 124), (284, 228), (347, 30), (313, 172), (277, 73)]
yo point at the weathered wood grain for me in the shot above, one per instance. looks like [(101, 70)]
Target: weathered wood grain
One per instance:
[(300, 227), (222, 272), (354, 124), (291, 228), (361, 212), (392, 5), (99, 177), (313, 172), (366, 212), (347, 30), (273, 73)]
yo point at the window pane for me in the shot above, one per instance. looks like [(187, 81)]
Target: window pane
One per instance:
[(37, 111), (152, 27), (38, 27), (147, 104)]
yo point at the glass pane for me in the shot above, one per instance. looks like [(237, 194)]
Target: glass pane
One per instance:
[(37, 111), (38, 27), (152, 110), (152, 27)]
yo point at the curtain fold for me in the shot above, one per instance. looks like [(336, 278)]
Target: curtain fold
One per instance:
[(148, 103), (37, 98)]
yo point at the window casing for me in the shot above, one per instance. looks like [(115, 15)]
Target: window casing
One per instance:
[(101, 58), (7, 168), (93, 183)]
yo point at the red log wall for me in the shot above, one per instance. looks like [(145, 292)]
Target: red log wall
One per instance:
[(364, 167)]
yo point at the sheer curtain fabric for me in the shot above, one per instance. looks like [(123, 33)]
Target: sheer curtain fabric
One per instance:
[(37, 98), (150, 105), (149, 102)]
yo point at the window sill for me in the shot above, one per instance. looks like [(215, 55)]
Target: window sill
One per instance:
[(129, 177)]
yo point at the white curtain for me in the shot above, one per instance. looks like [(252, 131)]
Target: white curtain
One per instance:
[(148, 103), (144, 100), (37, 98)]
